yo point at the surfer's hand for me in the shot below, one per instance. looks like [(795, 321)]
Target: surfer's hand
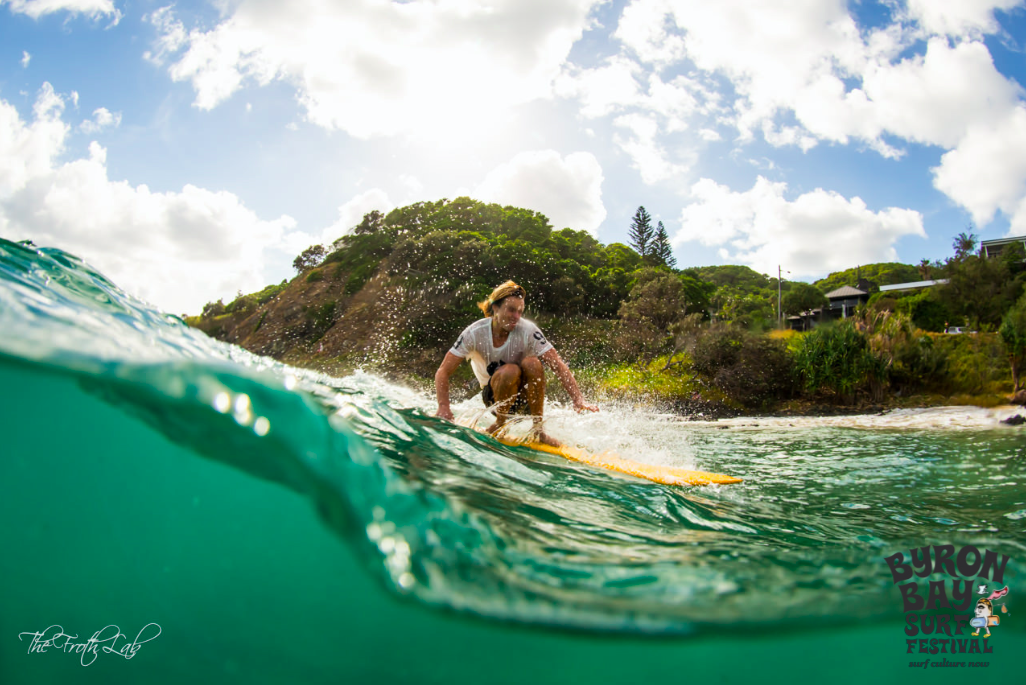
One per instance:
[(580, 406), (445, 414)]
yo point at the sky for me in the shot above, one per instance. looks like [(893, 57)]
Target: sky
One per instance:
[(191, 150)]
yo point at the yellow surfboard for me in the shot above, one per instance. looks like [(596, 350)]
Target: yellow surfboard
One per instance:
[(667, 475)]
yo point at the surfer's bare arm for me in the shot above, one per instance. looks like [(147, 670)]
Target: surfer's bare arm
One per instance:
[(449, 365), (566, 377)]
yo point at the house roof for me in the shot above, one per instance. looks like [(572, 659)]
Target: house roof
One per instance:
[(912, 286), (1003, 241), (846, 291)]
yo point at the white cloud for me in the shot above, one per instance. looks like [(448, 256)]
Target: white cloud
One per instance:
[(987, 171), (647, 155), (814, 234), (375, 68), (176, 249), (958, 17), (803, 71), (25, 59), (566, 190), (644, 28), (28, 151), (935, 98), (90, 8), (412, 187), (601, 90), (102, 118), (171, 35), (646, 113), (809, 58)]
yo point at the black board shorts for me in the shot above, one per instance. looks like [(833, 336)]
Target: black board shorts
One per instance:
[(520, 405)]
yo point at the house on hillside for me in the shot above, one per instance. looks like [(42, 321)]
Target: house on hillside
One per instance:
[(843, 302), (992, 248)]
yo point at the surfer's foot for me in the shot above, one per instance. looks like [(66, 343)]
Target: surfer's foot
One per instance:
[(546, 439), (976, 634)]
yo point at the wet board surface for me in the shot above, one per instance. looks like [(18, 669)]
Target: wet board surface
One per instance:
[(666, 475)]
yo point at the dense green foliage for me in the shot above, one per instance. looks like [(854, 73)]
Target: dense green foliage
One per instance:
[(449, 255), (884, 273), (980, 290), (837, 359), (398, 288), (802, 299), (742, 296), (1013, 335), (656, 306), (752, 370)]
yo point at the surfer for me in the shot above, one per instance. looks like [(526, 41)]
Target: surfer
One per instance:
[(507, 354)]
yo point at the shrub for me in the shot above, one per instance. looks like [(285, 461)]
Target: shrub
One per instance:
[(1013, 335), (212, 309), (241, 303), (974, 362), (909, 355), (750, 369), (270, 292), (837, 359)]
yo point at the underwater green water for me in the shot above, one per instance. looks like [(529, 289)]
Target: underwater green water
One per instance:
[(282, 527)]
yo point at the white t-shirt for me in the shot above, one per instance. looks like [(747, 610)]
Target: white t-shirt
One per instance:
[(525, 340)]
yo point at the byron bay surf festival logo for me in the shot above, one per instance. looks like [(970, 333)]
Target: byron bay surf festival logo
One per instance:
[(953, 601)]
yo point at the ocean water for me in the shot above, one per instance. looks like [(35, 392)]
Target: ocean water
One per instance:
[(219, 517)]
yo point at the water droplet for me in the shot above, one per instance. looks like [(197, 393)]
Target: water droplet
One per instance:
[(261, 426), (222, 402)]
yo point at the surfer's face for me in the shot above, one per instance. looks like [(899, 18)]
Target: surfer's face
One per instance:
[(982, 610), (507, 314)]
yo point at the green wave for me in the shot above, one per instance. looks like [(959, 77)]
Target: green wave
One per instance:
[(446, 517)]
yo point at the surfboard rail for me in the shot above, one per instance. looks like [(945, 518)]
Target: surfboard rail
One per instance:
[(610, 461)]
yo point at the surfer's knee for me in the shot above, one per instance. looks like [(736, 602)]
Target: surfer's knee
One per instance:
[(506, 374), (532, 368)]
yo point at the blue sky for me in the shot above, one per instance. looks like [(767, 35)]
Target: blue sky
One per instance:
[(192, 150)]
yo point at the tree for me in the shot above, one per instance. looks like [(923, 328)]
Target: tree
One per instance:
[(979, 289), (661, 247), (965, 244), (657, 297), (802, 299), (656, 302), (309, 258), (372, 222), (924, 269), (1013, 335), (1014, 257), (641, 232)]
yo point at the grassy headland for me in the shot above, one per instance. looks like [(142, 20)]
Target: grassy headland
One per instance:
[(394, 293)]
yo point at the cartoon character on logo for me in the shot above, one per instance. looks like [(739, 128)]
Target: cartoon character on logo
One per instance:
[(985, 617)]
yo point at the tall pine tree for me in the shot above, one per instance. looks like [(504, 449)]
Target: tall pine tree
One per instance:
[(661, 247), (641, 232)]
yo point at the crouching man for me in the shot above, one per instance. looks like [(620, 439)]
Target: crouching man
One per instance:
[(507, 353)]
